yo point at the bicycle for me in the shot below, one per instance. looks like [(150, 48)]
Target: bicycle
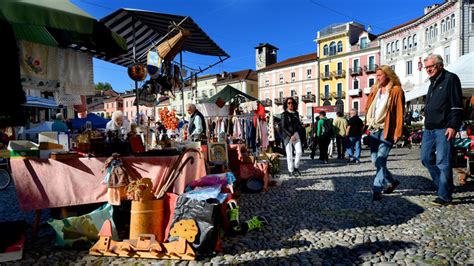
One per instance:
[(5, 176)]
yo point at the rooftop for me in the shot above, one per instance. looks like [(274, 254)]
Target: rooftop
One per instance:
[(292, 61)]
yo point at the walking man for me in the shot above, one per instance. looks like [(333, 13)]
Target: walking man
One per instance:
[(340, 126), (324, 136), (444, 112), (354, 136)]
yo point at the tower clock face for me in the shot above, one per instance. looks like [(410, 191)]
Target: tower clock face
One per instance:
[(260, 61)]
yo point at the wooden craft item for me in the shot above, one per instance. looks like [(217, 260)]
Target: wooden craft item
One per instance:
[(168, 49), (145, 245)]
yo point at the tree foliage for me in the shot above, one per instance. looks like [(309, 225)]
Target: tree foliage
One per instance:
[(103, 86)]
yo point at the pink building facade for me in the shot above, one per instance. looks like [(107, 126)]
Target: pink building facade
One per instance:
[(363, 59), (295, 77)]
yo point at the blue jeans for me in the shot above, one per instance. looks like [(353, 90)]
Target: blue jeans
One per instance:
[(436, 156), (379, 149), (353, 143)]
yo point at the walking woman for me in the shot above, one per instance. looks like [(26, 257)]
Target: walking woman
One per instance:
[(290, 126), (384, 118)]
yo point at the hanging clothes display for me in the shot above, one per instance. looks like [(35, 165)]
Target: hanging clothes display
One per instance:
[(271, 128)]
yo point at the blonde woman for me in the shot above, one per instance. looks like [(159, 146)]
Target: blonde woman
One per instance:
[(385, 111)]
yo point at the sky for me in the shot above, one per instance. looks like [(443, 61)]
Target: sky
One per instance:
[(237, 26)]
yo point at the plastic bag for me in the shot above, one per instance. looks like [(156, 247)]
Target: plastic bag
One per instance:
[(204, 193), (211, 180), (80, 231), (206, 215)]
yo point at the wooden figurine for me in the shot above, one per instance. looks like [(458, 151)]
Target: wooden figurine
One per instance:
[(146, 246)]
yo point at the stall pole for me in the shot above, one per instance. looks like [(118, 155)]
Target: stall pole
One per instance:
[(134, 61), (182, 81)]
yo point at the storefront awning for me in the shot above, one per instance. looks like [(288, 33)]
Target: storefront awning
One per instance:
[(60, 23), (463, 67), (150, 27), (32, 101)]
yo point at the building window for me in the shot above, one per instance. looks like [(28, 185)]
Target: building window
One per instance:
[(397, 45), (339, 89), (281, 94), (363, 42), (308, 73), (409, 67), (392, 67), (332, 48), (266, 96), (371, 82), (309, 111), (293, 93), (308, 91), (415, 40), (410, 44), (189, 96), (293, 76), (326, 90), (453, 21), (326, 70), (372, 62), (355, 84), (355, 65), (447, 55), (392, 45), (282, 79), (267, 83), (211, 92), (326, 50), (405, 43), (339, 46), (339, 68), (388, 48), (355, 105), (427, 34), (443, 26)]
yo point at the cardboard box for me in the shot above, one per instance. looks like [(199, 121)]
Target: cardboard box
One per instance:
[(13, 252), (23, 148)]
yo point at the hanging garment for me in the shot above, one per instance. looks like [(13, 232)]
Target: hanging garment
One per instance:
[(264, 135), (271, 128)]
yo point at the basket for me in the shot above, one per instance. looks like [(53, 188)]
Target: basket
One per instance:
[(168, 49)]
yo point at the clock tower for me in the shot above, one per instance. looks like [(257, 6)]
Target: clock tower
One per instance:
[(265, 55)]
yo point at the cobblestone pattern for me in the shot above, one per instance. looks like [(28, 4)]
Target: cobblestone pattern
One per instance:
[(326, 217)]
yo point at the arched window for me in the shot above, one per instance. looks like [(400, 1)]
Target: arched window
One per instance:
[(427, 34), (326, 50), (431, 32), (436, 29), (404, 43), (392, 45), (332, 48), (409, 43), (340, 105), (415, 40), (453, 21), (448, 24), (326, 103), (397, 45), (339, 46), (388, 48), (443, 26)]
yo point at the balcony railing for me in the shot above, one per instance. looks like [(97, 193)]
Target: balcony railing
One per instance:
[(308, 98), (325, 96), (267, 102), (325, 75), (355, 71), (279, 101), (354, 92), (370, 68), (367, 90), (339, 95), (339, 73)]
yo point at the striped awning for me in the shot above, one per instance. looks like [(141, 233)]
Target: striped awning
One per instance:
[(32, 101), (150, 27)]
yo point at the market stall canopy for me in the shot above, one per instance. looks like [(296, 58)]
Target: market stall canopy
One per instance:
[(228, 93), (97, 121), (60, 23), (461, 67), (150, 27), (32, 101)]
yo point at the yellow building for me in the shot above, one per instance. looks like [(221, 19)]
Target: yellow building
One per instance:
[(334, 43)]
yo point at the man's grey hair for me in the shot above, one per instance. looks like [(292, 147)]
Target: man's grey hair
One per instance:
[(354, 110), (436, 57), (190, 106), (59, 116), (116, 114)]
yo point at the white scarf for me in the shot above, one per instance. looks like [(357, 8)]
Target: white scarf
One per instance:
[(378, 110)]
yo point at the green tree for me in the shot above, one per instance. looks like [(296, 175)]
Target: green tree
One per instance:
[(103, 86)]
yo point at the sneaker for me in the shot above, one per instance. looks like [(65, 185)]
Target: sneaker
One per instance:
[(234, 217), (255, 224), (290, 174), (392, 187), (377, 196), (440, 202), (297, 172)]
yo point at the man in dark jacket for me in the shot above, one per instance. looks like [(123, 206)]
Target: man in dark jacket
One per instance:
[(197, 123), (444, 113)]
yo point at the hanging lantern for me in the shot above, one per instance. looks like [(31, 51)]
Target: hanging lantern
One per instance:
[(137, 72)]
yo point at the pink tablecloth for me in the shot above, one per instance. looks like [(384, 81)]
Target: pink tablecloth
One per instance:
[(47, 183)]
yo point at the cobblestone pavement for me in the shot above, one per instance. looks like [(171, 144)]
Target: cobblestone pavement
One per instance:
[(327, 217)]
